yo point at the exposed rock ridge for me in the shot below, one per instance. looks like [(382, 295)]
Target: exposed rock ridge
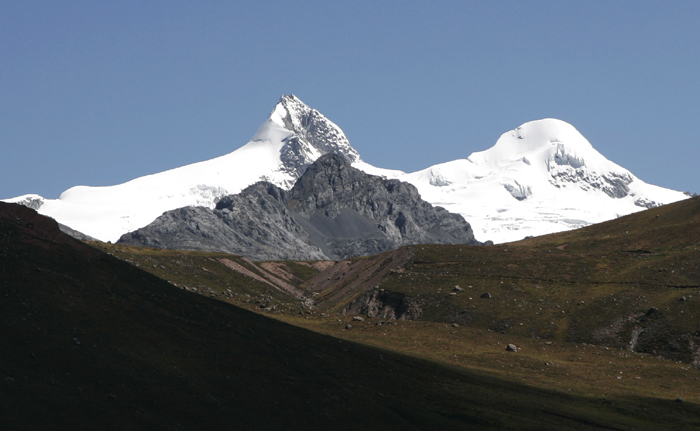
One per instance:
[(254, 223), (314, 135), (385, 305), (356, 213), (334, 211), (568, 170)]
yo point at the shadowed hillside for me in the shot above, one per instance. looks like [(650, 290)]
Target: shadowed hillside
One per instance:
[(92, 342), (598, 319)]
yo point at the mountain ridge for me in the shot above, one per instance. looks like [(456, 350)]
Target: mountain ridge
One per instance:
[(539, 178)]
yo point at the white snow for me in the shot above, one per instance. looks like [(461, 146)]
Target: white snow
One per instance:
[(540, 178), (554, 171), (106, 213)]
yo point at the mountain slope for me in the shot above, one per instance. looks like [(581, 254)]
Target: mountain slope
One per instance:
[(91, 342), (630, 284), (334, 211), (540, 178), (576, 304)]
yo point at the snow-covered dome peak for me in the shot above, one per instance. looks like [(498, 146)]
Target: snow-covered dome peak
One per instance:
[(541, 139), (549, 131)]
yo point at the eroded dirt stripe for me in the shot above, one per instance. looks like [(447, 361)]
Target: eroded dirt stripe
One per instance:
[(285, 287), (281, 284)]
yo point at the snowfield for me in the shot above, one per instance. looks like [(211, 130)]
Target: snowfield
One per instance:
[(539, 178)]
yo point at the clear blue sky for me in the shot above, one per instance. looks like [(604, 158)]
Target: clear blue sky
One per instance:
[(101, 92)]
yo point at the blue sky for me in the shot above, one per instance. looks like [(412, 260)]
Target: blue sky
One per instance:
[(98, 93)]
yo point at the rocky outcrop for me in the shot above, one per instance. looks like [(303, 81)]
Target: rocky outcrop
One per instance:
[(385, 305), (334, 211), (649, 332), (254, 223)]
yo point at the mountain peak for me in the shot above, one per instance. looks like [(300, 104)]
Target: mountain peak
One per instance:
[(287, 108), (546, 138), (541, 177), (312, 135), (553, 154)]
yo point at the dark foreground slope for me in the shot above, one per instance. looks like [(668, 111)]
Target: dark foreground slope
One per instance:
[(334, 211), (91, 342), (609, 312)]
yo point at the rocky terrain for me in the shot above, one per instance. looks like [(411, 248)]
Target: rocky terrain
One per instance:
[(334, 211), (630, 284)]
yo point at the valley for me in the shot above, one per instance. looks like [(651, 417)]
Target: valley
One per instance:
[(94, 342), (609, 312)]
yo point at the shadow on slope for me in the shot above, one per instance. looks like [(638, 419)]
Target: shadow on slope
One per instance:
[(91, 342)]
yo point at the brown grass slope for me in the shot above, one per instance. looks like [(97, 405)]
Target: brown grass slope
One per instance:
[(576, 303), (631, 283), (91, 342)]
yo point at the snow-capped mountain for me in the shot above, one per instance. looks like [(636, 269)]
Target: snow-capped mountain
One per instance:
[(292, 137), (540, 178)]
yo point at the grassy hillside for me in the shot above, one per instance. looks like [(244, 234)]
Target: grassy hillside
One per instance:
[(93, 342), (608, 314)]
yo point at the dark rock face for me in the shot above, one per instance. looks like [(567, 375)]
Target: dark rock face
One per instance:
[(334, 211), (349, 213), (254, 223)]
